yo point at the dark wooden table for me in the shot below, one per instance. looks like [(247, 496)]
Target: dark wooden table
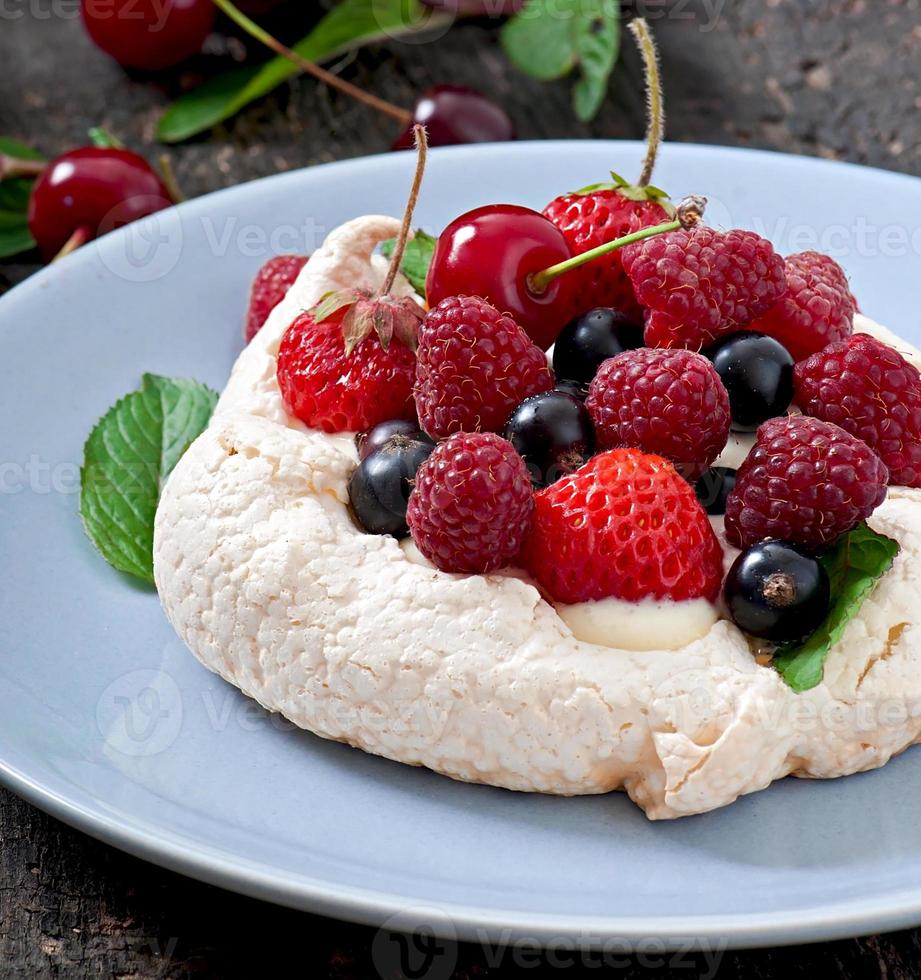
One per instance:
[(833, 78)]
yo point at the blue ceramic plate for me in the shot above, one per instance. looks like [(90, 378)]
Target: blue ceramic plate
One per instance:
[(107, 722)]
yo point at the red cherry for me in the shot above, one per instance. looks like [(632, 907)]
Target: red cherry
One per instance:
[(455, 114), (92, 191), (149, 34), (490, 252)]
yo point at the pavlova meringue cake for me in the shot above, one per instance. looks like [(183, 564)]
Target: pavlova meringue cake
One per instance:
[(267, 577)]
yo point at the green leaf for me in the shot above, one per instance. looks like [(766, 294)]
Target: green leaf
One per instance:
[(416, 258), (127, 458), (14, 194), (597, 42), (547, 39), (15, 236), (349, 25), (854, 565), (14, 148)]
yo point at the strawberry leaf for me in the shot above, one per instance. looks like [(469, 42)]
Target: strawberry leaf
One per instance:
[(854, 564), (127, 458), (349, 25), (417, 258), (548, 39)]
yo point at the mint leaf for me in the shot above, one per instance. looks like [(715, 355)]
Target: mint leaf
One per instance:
[(416, 258), (127, 458), (854, 564), (547, 39), (15, 236), (350, 24)]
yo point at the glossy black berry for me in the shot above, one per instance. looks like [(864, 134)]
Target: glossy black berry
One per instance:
[(575, 388), (776, 592), (383, 432), (714, 487), (758, 374), (380, 485), (589, 340), (553, 433)]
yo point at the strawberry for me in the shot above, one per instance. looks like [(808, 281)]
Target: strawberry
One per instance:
[(626, 526), (604, 212), (269, 288), (599, 214), (336, 375)]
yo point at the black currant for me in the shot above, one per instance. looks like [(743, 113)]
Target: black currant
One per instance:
[(575, 388), (776, 592), (714, 487), (589, 340), (383, 432), (553, 433), (380, 485), (757, 371)]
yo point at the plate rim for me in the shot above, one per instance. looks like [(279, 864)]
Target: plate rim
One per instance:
[(452, 920)]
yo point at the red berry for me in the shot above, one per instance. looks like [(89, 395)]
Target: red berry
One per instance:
[(95, 190), (700, 284), (490, 252), (668, 402), (474, 366), (591, 219), (806, 481), (871, 391), (455, 114), (471, 504), (817, 308), (333, 391), (269, 288), (624, 526), (149, 34)]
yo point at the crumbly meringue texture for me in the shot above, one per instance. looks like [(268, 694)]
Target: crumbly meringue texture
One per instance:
[(264, 575)]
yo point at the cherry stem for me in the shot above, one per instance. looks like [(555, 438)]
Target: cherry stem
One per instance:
[(19, 167), (403, 116), (655, 106), (689, 212), (169, 179), (80, 237), (396, 260)]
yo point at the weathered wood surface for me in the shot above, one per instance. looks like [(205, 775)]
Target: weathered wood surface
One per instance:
[(833, 78)]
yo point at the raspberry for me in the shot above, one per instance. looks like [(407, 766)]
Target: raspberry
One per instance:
[(471, 504), (817, 309), (871, 391), (474, 366), (700, 284), (669, 402), (337, 392), (806, 482), (625, 525), (591, 219), (269, 288)]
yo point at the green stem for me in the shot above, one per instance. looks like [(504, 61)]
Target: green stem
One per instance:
[(404, 116), (654, 102), (689, 213)]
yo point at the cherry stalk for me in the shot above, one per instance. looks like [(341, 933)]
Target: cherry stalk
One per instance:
[(688, 213), (451, 113)]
